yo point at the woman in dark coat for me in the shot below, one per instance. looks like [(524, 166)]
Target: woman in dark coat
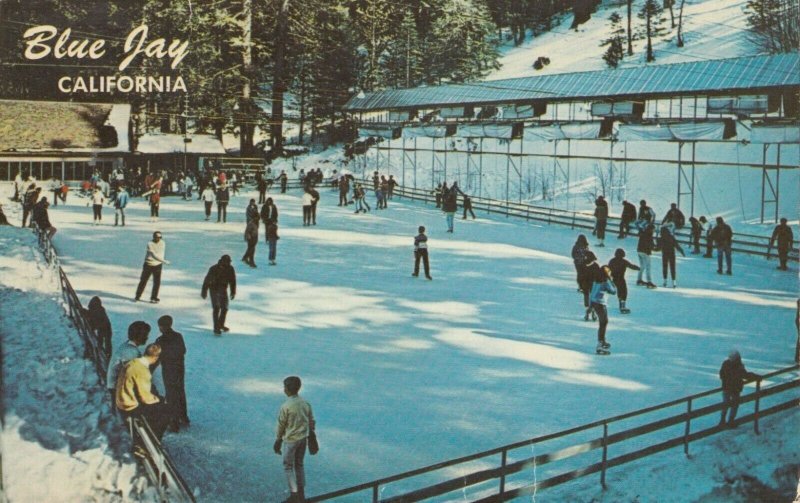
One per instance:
[(668, 246), (100, 324)]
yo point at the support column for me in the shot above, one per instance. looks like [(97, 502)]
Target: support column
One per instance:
[(688, 179), (767, 181)]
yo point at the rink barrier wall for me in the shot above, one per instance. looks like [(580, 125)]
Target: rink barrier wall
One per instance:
[(742, 243), (160, 469), (499, 484)]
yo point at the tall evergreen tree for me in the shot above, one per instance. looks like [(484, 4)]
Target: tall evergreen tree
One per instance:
[(461, 41), (774, 24), (653, 16), (615, 51)]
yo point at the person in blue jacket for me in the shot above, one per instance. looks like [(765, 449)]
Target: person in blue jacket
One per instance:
[(603, 285), (120, 203)]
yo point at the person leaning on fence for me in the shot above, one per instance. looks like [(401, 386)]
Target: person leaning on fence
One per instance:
[(785, 239), (100, 324), (154, 261), (173, 351), (468, 207), (295, 422), (733, 375), (645, 217), (218, 279), (601, 216), (698, 226), (41, 216), (138, 331), (722, 235), (135, 397), (627, 217)]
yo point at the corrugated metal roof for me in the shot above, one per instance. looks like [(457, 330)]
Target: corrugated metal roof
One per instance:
[(755, 72)]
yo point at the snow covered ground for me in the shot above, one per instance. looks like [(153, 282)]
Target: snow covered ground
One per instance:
[(57, 423), (403, 373), (712, 29)]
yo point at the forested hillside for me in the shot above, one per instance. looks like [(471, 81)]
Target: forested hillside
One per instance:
[(243, 56)]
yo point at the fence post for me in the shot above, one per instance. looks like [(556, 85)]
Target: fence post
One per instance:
[(758, 399), (375, 493), (573, 221), (688, 427), (503, 461), (605, 455)]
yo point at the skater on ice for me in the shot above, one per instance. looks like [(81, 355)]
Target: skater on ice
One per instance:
[(668, 245), (173, 352), (722, 235), (421, 253), (295, 423), (218, 280), (601, 288), (154, 261), (618, 265)]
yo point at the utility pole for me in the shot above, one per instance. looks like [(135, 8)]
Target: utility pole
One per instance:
[(278, 79)]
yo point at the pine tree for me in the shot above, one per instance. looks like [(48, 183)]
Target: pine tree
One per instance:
[(615, 51), (461, 41), (774, 24), (653, 15), (404, 56)]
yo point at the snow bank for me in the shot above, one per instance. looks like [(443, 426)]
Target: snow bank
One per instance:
[(56, 415)]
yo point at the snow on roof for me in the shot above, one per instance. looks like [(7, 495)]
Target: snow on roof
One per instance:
[(52, 126), (160, 143), (734, 74)]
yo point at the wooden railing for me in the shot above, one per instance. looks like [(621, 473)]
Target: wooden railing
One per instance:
[(157, 464), (742, 243), (608, 449)]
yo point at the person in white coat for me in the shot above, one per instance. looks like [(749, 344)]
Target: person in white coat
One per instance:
[(208, 197), (308, 202), (154, 261), (97, 201)]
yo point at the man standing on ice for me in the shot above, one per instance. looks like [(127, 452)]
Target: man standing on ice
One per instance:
[(295, 423), (733, 375), (421, 253), (219, 278), (154, 261), (722, 235), (173, 351)]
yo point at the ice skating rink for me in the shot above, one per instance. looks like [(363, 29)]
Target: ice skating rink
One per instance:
[(403, 372)]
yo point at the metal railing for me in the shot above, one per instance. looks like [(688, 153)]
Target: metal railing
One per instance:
[(157, 464), (498, 484), (742, 243)]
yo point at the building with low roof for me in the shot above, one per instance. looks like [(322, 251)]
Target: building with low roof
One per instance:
[(63, 139)]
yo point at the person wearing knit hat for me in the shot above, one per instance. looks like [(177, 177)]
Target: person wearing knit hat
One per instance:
[(603, 285), (733, 376)]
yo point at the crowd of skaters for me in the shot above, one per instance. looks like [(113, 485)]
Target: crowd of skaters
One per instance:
[(596, 282)]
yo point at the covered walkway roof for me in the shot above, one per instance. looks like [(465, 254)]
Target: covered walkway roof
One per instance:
[(748, 75)]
